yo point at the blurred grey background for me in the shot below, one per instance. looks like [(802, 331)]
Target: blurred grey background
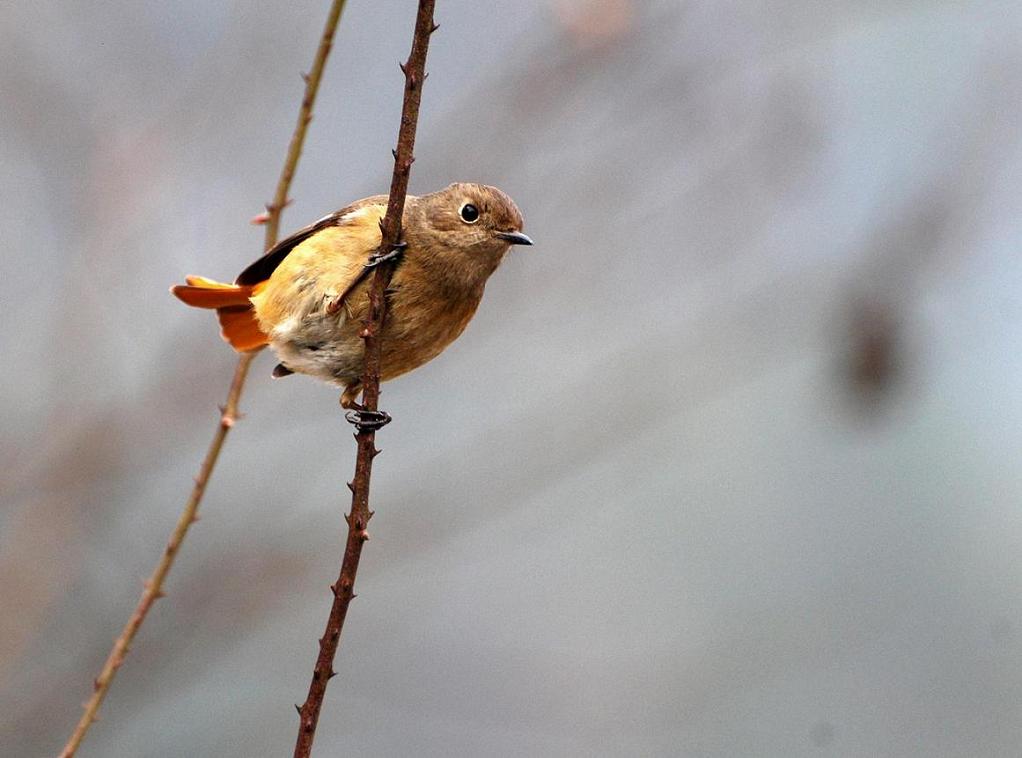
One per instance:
[(727, 464)]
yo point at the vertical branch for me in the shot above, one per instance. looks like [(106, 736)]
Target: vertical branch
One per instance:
[(153, 587), (358, 518)]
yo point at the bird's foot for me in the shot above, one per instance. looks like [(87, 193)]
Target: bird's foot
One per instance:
[(395, 252), (366, 420)]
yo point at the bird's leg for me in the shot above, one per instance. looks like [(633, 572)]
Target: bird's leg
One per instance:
[(333, 307), (350, 395), (395, 252), (363, 419)]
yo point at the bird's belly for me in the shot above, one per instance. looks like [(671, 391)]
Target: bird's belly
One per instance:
[(415, 332), (319, 345), (330, 348)]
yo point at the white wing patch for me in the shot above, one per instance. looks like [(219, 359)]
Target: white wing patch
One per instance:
[(365, 210)]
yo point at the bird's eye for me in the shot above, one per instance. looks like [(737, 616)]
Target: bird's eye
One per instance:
[(469, 213)]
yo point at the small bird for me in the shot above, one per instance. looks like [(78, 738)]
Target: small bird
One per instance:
[(307, 297)]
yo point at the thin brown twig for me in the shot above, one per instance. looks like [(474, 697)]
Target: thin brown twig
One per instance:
[(153, 587), (358, 518), (294, 149), (153, 590)]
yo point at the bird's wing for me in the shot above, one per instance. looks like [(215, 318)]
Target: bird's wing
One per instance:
[(320, 268), (260, 270)]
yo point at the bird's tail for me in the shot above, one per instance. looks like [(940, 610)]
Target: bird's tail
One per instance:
[(238, 323)]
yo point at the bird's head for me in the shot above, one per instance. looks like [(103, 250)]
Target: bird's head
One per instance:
[(467, 225)]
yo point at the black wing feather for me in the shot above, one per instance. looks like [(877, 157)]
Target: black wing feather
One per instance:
[(260, 270)]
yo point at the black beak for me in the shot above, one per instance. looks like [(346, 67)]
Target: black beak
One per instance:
[(515, 238)]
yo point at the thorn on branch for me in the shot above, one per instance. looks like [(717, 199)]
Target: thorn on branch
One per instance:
[(155, 593), (403, 67), (274, 208), (299, 709), (435, 27), (228, 419)]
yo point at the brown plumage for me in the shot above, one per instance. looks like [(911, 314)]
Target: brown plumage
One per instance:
[(307, 297)]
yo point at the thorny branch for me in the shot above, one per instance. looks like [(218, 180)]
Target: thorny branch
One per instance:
[(358, 518), (153, 587)]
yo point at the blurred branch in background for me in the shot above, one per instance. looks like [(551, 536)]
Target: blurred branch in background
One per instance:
[(358, 519), (153, 589), (294, 149)]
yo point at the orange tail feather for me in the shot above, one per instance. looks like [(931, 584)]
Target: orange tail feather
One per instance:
[(206, 293), (238, 324)]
